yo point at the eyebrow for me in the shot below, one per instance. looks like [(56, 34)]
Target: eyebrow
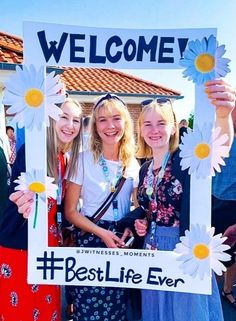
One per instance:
[(66, 114), (109, 116), (149, 121)]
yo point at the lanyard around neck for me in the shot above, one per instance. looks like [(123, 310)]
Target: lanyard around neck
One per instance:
[(59, 183), (152, 182), (105, 169), (103, 163)]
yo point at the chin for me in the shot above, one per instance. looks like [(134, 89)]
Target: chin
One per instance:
[(112, 140), (67, 140)]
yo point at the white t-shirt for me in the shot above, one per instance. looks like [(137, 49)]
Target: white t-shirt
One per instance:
[(95, 188)]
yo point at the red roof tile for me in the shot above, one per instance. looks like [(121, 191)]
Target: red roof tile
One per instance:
[(86, 79), (11, 48)]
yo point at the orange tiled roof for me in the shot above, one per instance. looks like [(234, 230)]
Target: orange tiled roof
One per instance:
[(11, 49), (110, 80), (86, 79)]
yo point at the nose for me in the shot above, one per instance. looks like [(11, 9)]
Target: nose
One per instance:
[(110, 123), (155, 129), (70, 123)]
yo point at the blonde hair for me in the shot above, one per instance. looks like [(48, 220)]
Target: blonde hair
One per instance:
[(126, 144), (167, 113), (52, 146)]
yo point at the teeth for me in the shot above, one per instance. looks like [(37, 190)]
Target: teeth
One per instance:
[(110, 134)]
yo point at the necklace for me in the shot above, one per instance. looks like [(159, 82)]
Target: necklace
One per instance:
[(152, 181), (102, 162)]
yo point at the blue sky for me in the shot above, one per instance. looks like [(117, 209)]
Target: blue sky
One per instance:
[(140, 14)]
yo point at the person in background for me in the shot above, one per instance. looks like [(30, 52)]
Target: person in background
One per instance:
[(164, 199), (183, 123), (100, 169), (3, 181), (12, 141), (18, 298), (86, 132), (183, 128), (223, 213)]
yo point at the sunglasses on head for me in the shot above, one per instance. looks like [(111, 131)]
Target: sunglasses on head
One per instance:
[(107, 97), (161, 100)]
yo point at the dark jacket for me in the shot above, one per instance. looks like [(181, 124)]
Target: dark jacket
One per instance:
[(183, 177), (13, 227), (3, 181)]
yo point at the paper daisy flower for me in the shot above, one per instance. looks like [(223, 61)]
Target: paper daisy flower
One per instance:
[(200, 251), (202, 151), (34, 181), (26, 93), (203, 60)]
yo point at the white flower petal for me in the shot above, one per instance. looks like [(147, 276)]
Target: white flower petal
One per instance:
[(24, 80), (200, 267), (217, 266)]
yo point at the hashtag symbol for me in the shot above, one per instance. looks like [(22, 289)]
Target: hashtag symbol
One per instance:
[(49, 264)]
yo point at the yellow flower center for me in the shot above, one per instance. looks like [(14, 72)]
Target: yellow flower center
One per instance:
[(201, 251), (34, 97), (205, 63), (202, 150), (37, 187)]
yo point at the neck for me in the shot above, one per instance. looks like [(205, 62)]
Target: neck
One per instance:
[(158, 157), (111, 152), (60, 147)]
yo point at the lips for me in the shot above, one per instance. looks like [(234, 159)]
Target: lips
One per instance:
[(154, 137), (67, 133), (111, 134)]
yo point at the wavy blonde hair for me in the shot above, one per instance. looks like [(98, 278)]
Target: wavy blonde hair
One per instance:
[(73, 147), (126, 144), (167, 113)]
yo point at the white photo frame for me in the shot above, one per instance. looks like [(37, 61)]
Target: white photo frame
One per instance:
[(116, 48)]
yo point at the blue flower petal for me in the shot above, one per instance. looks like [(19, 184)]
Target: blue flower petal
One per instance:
[(191, 55), (212, 45), (197, 47), (220, 51), (204, 44)]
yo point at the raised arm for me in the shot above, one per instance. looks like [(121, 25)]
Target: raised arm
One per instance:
[(222, 96)]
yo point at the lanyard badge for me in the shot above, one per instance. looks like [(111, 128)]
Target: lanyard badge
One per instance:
[(151, 245)]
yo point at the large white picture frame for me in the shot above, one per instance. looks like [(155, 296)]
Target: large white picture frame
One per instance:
[(116, 48)]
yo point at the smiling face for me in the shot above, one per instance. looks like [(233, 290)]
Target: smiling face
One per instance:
[(156, 131), (109, 125), (68, 126)]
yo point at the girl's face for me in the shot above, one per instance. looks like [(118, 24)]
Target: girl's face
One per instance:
[(68, 126), (110, 125), (156, 131)]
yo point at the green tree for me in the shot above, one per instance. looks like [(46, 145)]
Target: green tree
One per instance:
[(191, 120)]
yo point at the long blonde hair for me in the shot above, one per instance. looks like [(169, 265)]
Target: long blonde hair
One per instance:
[(126, 144), (52, 146), (166, 111)]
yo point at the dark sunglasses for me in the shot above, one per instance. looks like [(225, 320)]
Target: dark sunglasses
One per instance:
[(107, 97), (161, 100)]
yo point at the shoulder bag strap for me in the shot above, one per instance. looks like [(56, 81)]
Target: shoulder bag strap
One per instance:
[(108, 199), (98, 216), (104, 207)]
